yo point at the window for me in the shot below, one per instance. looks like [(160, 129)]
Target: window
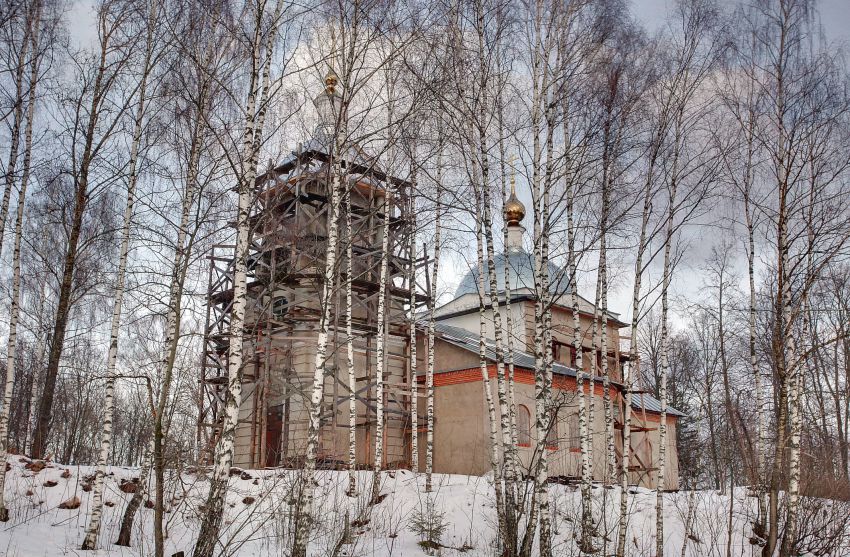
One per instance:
[(523, 426), (573, 433), (563, 353), (280, 305), (552, 434)]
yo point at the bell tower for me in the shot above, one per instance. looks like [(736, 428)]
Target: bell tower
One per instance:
[(290, 214)]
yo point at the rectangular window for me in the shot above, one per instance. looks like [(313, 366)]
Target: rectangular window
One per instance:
[(552, 433), (523, 426), (573, 433)]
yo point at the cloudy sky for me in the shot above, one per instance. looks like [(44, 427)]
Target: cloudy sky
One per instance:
[(834, 17)]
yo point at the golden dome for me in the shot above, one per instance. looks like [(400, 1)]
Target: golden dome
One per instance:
[(514, 209), (330, 82)]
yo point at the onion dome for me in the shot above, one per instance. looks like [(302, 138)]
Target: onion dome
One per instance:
[(330, 83), (514, 209)]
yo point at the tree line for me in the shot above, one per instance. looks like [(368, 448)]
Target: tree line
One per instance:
[(697, 170)]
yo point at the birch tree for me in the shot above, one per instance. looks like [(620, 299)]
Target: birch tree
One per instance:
[(494, 445), (33, 22), (349, 350), (96, 114), (543, 118), (432, 304), (656, 140), (741, 163), (96, 512), (259, 84), (695, 55), (411, 281), (665, 360), (304, 511), (20, 29), (363, 51), (787, 73), (483, 171), (380, 348)]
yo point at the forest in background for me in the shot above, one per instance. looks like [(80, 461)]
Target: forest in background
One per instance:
[(699, 171)]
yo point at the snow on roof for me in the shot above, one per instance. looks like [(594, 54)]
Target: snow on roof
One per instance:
[(467, 340)]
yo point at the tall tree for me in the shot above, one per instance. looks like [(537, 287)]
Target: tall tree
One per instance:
[(33, 22), (97, 111), (262, 50), (93, 529), (432, 304), (19, 28)]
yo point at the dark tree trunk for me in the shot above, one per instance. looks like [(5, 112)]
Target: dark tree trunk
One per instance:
[(129, 517), (63, 309)]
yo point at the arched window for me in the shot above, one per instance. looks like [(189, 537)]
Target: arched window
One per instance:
[(523, 425)]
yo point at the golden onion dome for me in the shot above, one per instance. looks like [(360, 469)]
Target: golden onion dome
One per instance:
[(514, 209), (330, 82)]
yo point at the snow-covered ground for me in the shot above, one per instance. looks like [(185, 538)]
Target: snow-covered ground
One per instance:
[(258, 520)]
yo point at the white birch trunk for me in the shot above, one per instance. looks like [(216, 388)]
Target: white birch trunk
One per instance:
[(543, 408), (689, 520), (793, 369), (93, 530), (305, 504), (632, 368), (509, 358), (485, 378), (15, 308), (254, 121), (611, 469), (349, 349), (511, 449), (414, 384), (795, 417), (543, 390), (587, 529), (507, 530), (631, 365), (488, 392), (15, 137), (380, 350), (172, 337), (665, 351), (508, 533), (429, 377), (542, 116), (125, 534), (760, 448), (662, 395)]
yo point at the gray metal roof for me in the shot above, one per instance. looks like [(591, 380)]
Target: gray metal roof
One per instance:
[(651, 404), (469, 341)]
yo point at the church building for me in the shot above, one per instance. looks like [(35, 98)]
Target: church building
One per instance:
[(462, 430), (290, 219)]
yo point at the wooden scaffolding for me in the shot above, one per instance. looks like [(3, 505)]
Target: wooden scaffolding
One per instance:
[(289, 215)]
